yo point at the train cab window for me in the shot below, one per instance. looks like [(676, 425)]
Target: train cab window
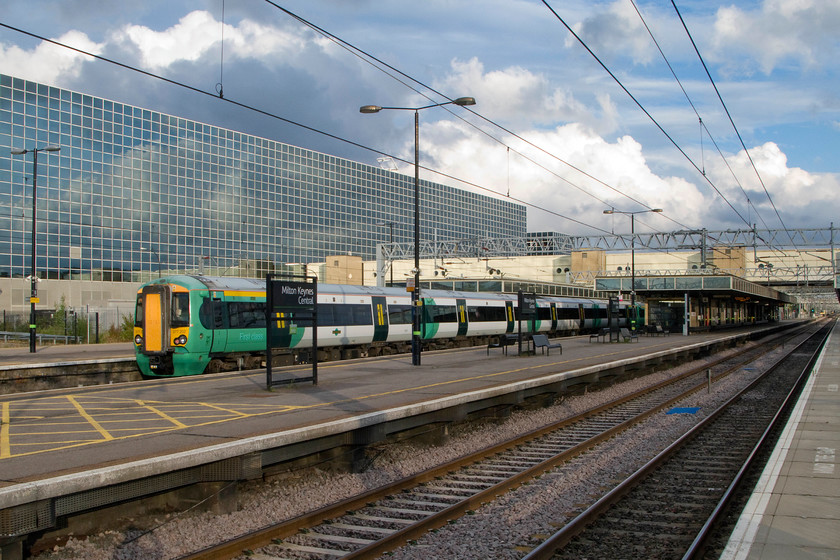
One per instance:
[(180, 316), (138, 312)]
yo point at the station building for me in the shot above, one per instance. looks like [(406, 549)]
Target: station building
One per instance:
[(134, 193)]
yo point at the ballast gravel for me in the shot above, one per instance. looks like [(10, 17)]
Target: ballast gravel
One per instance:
[(502, 529)]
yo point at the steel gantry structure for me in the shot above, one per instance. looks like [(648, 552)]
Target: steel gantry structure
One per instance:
[(558, 244)]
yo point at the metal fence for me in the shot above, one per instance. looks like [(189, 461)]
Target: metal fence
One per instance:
[(64, 326)]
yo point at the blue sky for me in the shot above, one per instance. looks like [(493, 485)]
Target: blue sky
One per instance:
[(551, 128)]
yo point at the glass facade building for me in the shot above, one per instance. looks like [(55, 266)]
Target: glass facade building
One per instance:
[(134, 191)]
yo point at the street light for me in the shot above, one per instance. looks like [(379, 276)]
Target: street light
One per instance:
[(33, 290), (633, 250), (416, 343), (391, 261)]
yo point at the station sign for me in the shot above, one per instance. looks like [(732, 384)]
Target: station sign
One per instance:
[(527, 304)]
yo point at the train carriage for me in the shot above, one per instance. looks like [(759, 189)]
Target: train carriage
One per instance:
[(187, 325)]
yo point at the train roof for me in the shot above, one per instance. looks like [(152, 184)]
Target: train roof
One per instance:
[(230, 283)]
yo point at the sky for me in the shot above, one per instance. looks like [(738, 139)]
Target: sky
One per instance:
[(569, 124)]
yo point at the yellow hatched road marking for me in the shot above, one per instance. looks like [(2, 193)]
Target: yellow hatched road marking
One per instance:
[(5, 448), (162, 414), (103, 432)]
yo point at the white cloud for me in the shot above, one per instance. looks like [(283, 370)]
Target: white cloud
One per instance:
[(198, 33), (618, 30), (519, 97), (48, 63), (621, 164), (801, 30), (804, 197)]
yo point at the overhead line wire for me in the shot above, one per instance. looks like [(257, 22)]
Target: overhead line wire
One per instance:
[(700, 119), (367, 57), (283, 119), (638, 103), (735, 128)]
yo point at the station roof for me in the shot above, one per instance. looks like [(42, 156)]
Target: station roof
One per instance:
[(677, 285)]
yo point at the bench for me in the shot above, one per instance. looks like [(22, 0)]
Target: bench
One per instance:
[(503, 342), (656, 330), (602, 334), (627, 335), (541, 341)]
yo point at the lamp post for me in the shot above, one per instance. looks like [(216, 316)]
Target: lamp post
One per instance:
[(33, 289), (632, 250), (391, 241), (416, 343)]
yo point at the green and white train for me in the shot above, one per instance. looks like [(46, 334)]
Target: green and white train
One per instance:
[(187, 325)]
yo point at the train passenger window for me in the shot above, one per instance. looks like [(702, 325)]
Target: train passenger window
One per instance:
[(399, 314), (180, 316), (485, 314), (246, 314), (335, 314), (440, 313)]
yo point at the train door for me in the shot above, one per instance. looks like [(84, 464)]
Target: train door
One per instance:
[(553, 317), (581, 316), (155, 305), (218, 332), (511, 317), (461, 311), (380, 319)]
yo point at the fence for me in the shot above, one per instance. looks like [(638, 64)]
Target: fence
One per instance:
[(80, 326)]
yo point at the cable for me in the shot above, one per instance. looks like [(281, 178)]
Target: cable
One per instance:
[(700, 119), (729, 116)]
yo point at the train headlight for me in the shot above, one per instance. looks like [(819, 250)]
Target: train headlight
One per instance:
[(138, 340), (181, 339)]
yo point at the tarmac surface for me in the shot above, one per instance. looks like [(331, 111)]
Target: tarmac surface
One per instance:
[(51, 433)]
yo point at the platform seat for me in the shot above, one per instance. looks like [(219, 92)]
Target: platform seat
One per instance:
[(503, 342), (541, 341), (627, 335), (602, 334)]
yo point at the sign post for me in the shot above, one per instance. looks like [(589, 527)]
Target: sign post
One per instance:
[(527, 310), (291, 307)]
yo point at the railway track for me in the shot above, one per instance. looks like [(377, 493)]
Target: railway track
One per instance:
[(380, 520), (670, 507)]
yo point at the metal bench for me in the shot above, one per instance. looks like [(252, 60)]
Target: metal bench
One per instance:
[(541, 341), (627, 335), (601, 334), (503, 342)]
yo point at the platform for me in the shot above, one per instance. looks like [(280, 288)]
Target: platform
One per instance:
[(794, 512), (70, 450)]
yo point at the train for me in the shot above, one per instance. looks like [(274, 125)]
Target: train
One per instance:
[(189, 325)]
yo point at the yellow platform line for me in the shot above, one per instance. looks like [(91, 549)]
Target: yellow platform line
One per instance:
[(162, 414), (5, 418), (102, 431)]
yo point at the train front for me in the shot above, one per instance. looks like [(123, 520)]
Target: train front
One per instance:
[(165, 341)]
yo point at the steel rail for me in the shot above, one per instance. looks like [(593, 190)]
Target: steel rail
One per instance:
[(578, 525), (268, 535)]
